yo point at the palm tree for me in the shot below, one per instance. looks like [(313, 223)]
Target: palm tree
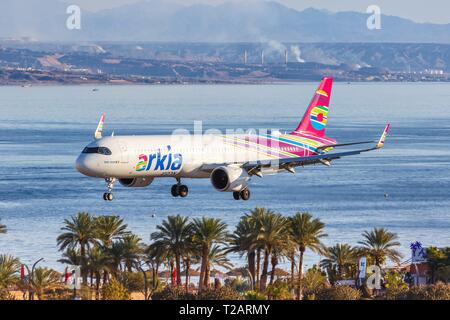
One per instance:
[(71, 257), (2, 228), (273, 235), (244, 241), (206, 232), (109, 228), (341, 256), (132, 248), (174, 234), (255, 217), (218, 258), (190, 256), (155, 257), (116, 254), (97, 261), (305, 232), (291, 256), (379, 243), (278, 253), (79, 232), (9, 271), (44, 279)]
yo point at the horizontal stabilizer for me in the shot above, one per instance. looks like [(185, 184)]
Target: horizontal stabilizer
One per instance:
[(343, 144)]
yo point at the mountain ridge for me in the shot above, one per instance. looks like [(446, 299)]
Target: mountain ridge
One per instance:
[(260, 21)]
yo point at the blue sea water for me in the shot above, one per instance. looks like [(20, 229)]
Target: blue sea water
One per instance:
[(43, 129)]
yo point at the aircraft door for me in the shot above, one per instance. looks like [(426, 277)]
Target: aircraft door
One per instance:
[(124, 153)]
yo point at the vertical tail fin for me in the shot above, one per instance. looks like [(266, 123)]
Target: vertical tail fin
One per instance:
[(316, 116), (99, 130)]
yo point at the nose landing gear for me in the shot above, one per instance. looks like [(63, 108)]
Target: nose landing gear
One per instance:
[(108, 196), (179, 190), (243, 194)]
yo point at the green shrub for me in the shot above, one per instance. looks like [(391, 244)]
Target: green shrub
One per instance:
[(254, 295), (310, 296), (6, 295), (59, 294), (238, 284), (279, 290), (133, 281), (173, 293), (114, 290), (313, 282), (396, 288), (438, 291), (395, 293), (86, 292), (224, 293), (338, 293)]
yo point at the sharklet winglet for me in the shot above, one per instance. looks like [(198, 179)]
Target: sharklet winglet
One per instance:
[(380, 143)]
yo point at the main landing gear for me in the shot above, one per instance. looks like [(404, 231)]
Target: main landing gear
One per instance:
[(179, 190), (243, 194), (108, 196)]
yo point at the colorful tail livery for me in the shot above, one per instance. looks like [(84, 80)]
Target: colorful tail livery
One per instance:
[(98, 132), (229, 161), (316, 116)]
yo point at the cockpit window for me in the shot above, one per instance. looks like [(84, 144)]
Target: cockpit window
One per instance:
[(100, 150)]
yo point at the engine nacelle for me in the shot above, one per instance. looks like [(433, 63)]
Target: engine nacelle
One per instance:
[(140, 182), (229, 179)]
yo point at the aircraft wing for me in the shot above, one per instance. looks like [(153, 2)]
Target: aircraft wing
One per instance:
[(301, 161), (254, 167)]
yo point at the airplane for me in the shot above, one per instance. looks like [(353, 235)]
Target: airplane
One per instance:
[(229, 161)]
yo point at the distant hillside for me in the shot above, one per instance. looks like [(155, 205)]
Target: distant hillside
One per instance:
[(249, 21), (403, 57)]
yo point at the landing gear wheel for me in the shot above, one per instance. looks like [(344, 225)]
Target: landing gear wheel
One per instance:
[(236, 195), (245, 194), (107, 196), (183, 191), (174, 190)]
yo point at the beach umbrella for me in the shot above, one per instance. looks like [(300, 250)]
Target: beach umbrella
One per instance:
[(192, 272), (238, 272)]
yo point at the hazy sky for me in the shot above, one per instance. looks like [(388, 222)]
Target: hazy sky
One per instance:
[(436, 11)]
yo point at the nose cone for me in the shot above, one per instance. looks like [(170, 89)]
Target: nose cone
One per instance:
[(86, 165)]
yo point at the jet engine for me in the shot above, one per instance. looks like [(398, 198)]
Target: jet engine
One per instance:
[(140, 182), (229, 179)]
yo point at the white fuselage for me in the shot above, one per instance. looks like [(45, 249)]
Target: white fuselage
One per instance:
[(182, 156)]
